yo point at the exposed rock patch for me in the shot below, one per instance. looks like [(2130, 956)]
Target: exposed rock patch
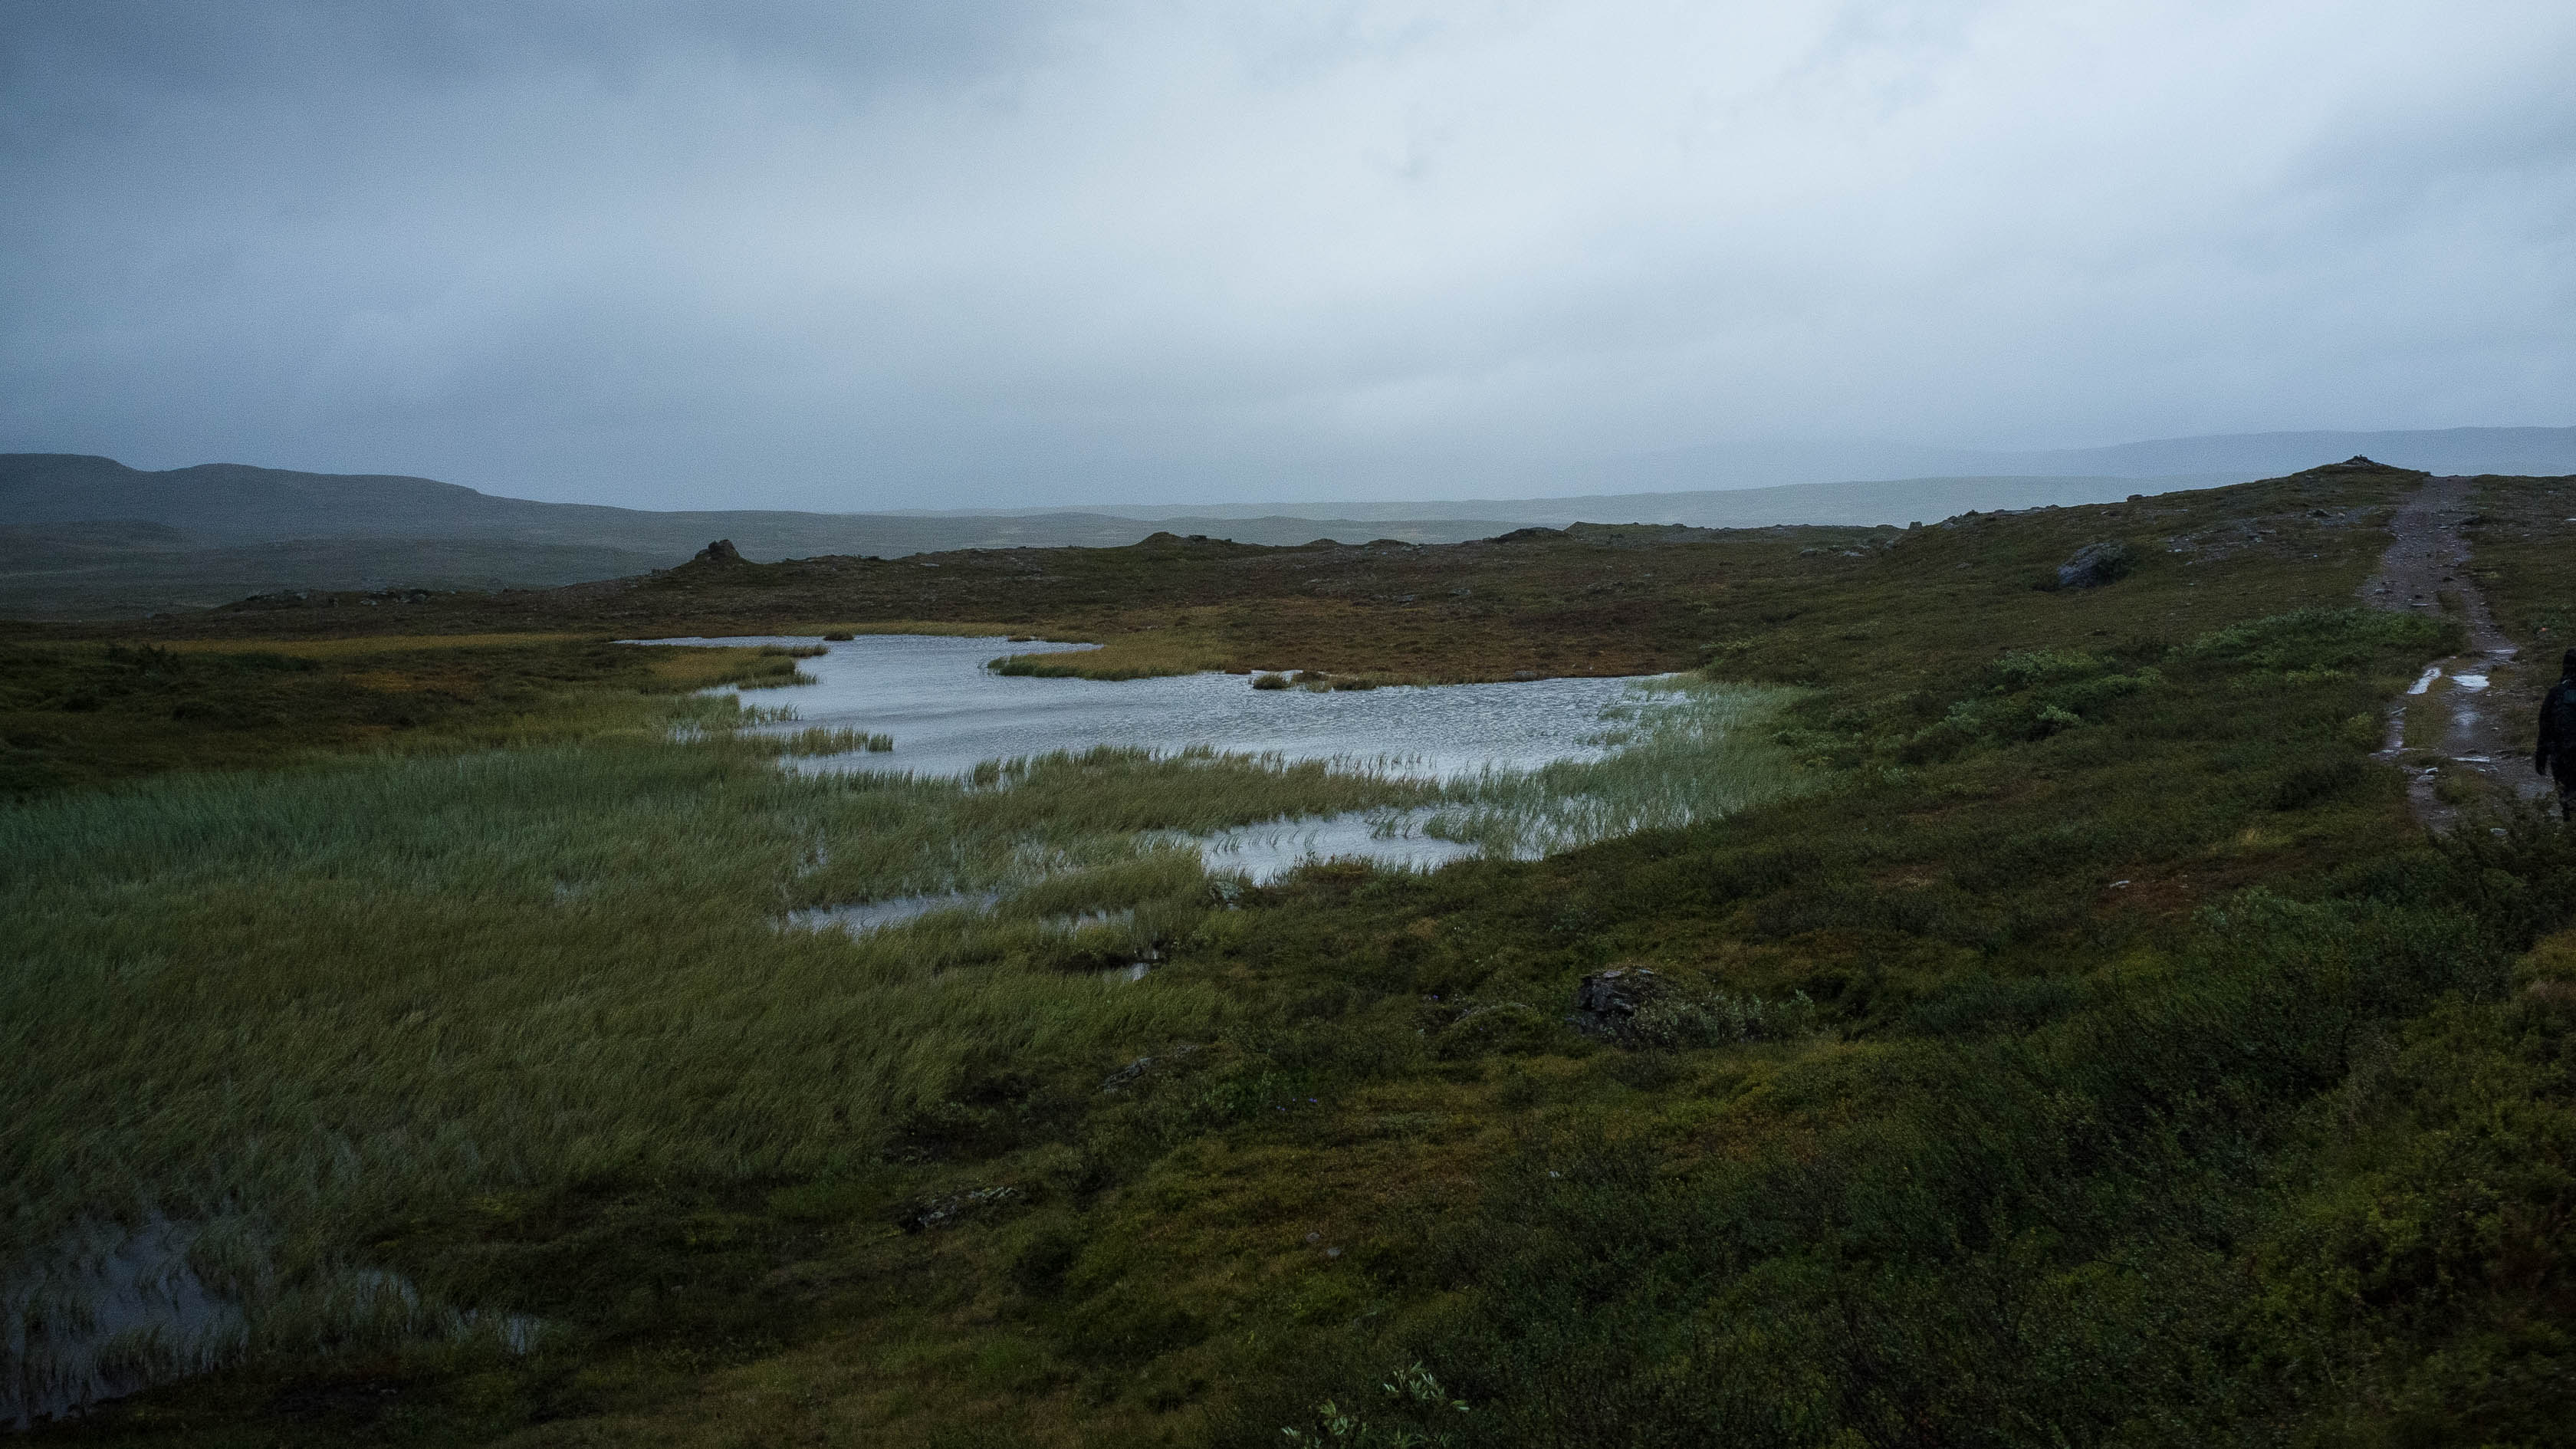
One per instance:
[(940, 1212), (1606, 1003), (2096, 564), (1136, 1070)]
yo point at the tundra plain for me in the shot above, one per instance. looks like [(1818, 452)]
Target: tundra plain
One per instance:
[(2063, 1034)]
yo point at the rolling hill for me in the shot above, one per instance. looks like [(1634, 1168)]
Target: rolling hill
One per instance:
[(88, 536)]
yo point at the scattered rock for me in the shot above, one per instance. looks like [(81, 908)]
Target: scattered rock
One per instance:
[(2357, 463), (721, 551), (1136, 1069), (2096, 564), (940, 1212), (1606, 1003)]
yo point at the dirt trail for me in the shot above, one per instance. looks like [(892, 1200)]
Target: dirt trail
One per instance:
[(2462, 716)]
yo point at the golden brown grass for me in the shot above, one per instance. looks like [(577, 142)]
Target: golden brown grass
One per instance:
[(365, 644)]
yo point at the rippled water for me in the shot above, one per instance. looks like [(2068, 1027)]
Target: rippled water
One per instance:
[(947, 713)]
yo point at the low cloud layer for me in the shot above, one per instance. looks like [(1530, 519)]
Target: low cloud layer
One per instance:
[(836, 255)]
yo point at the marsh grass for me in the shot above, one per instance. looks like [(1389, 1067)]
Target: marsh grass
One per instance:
[(329, 999), (1680, 750), (84, 714), (376, 988), (373, 644), (820, 741), (2096, 1055), (944, 628), (1138, 655)]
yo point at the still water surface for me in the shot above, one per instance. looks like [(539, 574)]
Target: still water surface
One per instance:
[(947, 713)]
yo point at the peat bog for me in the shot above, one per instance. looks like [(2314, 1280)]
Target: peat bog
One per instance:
[(2060, 1031)]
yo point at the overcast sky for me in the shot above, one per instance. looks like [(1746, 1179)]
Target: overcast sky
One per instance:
[(933, 253)]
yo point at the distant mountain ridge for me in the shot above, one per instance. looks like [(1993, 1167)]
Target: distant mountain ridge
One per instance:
[(86, 536), (233, 503), (1860, 504), (2530, 452), (1730, 468), (81, 534)]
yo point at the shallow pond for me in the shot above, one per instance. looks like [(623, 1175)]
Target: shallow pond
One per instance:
[(948, 713), (1525, 768)]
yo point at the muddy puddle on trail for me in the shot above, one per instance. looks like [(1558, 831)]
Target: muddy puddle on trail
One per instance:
[(2460, 714)]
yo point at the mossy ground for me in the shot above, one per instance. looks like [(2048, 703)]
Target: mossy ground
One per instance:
[(82, 713), (1776, 605), (2097, 1055)]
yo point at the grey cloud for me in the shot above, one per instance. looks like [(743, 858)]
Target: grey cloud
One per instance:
[(148, 45), (928, 255)]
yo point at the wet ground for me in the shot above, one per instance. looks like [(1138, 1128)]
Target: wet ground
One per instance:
[(947, 714), (2467, 720), (1267, 851), (116, 1314), (114, 1309), (1262, 853)]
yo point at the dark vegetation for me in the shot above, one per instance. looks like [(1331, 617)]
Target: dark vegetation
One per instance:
[(2523, 533), (1788, 605), (88, 537), (94, 571), (2102, 1058), (74, 714)]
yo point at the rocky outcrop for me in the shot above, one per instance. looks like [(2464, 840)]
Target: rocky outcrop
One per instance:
[(2096, 564), (1134, 1071), (721, 551), (1606, 1003)]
